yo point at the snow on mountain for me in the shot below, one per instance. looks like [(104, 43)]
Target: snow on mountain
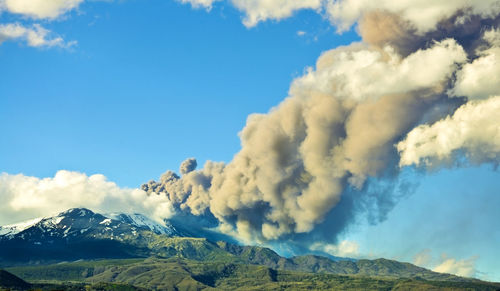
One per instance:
[(76, 222), (12, 229), (140, 220), (80, 233)]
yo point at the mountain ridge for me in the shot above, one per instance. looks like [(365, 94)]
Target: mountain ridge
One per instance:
[(80, 233), (182, 274), (10, 281)]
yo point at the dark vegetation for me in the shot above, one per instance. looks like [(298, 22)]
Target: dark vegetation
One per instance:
[(81, 253), (183, 274)]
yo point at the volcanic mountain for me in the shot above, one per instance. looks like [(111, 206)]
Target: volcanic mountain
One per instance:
[(80, 234)]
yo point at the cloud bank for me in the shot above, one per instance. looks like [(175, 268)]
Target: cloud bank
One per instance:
[(465, 268), (473, 130), (26, 197), (420, 16), (446, 264)]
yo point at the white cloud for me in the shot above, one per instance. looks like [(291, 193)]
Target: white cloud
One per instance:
[(207, 4), (445, 264), (345, 248), (301, 33), (369, 73), (465, 268), (262, 10), (424, 15), (26, 197), (481, 78), (35, 36), (474, 128), (40, 9)]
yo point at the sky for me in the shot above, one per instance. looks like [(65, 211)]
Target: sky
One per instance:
[(378, 133), (143, 85)]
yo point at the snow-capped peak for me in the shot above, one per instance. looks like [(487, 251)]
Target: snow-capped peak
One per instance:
[(76, 212), (140, 220), (80, 221), (13, 229)]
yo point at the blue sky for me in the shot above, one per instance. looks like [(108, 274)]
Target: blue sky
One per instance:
[(145, 85), (452, 212)]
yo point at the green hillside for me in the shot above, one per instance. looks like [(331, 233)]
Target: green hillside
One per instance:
[(183, 274), (201, 249), (182, 249), (127, 257)]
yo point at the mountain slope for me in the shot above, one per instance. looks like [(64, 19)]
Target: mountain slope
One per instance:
[(142, 221), (78, 222), (13, 229), (10, 281), (183, 274), (82, 234)]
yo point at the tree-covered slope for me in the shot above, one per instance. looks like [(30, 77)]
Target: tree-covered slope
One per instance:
[(183, 274), (147, 253)]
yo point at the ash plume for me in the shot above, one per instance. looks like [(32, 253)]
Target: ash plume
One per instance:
[(188, 165), (309, 167)]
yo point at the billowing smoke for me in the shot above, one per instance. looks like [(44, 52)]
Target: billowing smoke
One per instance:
[(400, 97), (188, 165)]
